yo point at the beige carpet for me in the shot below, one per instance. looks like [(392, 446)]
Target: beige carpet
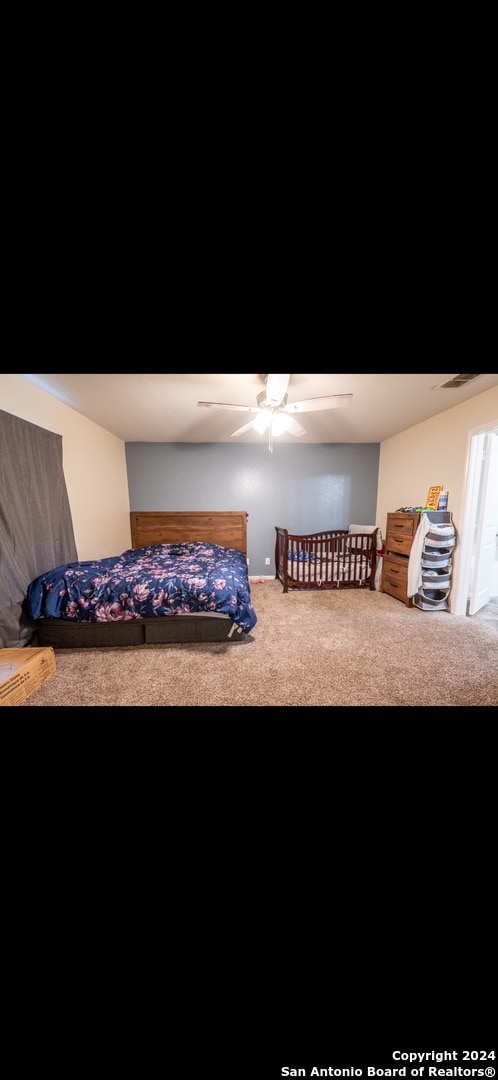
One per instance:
[(343, 648)]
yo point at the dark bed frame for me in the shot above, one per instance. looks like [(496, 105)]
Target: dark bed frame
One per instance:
[(225, 527)]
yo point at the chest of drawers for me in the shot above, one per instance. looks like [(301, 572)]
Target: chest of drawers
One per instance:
[(400, 532)]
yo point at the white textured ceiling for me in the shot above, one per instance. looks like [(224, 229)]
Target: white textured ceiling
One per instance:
[(163, 408)]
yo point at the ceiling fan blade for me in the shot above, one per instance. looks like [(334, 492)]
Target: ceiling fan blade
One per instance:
[(276, 389), (225, 405), (246, 427), (293, 426), (335, 401)]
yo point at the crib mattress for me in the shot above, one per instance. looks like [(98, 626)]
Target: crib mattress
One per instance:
[(318, 570)]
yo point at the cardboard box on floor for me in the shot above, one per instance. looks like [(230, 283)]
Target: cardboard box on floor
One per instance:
[(22, 671)]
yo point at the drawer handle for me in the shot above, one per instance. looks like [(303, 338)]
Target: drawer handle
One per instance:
[(398, 539)]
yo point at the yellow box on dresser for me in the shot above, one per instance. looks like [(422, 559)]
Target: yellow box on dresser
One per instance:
[(22, 671), (400, 533)]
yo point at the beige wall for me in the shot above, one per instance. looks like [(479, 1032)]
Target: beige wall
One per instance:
[(434, 452), (94, 467)]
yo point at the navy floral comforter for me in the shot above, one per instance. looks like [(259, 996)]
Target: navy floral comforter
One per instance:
[(149, 582)]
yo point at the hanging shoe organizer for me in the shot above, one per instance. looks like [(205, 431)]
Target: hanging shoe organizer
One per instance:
[(435, 561)]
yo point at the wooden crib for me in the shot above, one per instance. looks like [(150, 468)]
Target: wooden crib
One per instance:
[(327, 560)]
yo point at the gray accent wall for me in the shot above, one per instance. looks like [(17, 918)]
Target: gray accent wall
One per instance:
[(301, 488)]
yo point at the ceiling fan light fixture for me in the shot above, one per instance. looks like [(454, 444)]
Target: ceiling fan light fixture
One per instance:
[(279, 424), (262, 421)]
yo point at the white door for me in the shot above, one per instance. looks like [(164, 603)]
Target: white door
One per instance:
[(487, 528)]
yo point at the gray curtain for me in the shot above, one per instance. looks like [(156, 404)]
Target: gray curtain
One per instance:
[(36, 529)]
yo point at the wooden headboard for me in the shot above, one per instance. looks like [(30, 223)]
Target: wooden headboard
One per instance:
[(225, 527)]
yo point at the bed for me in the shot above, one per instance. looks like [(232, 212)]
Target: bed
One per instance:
[(184, 579), (329, 560)]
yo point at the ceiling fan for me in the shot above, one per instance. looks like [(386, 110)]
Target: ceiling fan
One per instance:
[(274, 414)]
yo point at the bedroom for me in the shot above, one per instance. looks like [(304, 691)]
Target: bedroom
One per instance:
[(105, 477)]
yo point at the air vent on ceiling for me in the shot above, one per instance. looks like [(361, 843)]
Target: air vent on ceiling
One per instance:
[(456, 382)]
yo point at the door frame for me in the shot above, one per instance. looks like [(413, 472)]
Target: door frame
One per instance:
[(470, 510)]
